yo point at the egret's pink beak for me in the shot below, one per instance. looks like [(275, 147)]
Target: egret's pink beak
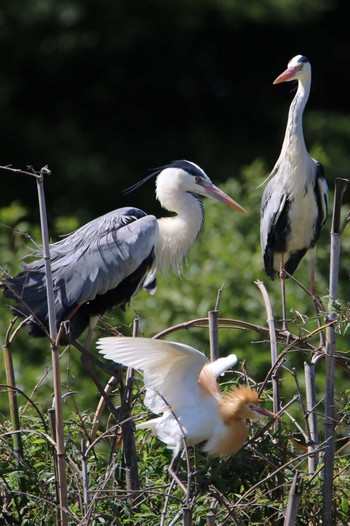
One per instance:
[(215, 193), (288, 74)]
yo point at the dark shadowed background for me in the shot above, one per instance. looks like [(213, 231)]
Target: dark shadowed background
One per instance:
[(103, 91)]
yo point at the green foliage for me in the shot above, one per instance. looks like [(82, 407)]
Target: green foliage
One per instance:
[(88, 88), (252, 487)]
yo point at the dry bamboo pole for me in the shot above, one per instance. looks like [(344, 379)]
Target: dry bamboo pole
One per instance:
[(311, 418), (14, 414), (60, 449), (336, 231), (127, 425), (274, 352), (213, 334), (293, 501)]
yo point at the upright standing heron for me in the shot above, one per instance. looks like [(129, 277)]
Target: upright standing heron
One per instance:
[(104, 263), (294, 203), (181, 386)]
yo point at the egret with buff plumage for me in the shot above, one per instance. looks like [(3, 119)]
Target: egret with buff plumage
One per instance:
[(181, 386)]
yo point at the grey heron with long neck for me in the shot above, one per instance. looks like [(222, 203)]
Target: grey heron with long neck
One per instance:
[(294, 203), (104, 263)]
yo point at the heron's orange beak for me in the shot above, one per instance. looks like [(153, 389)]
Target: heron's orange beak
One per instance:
[(287, 75), (215, 193)]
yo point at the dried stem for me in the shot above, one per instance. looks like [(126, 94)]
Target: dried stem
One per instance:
[(274, 352)]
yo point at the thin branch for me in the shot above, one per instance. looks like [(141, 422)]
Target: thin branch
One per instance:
[(9, 168)]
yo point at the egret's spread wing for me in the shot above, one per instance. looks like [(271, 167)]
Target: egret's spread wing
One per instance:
[(170, 369), (221, 365)]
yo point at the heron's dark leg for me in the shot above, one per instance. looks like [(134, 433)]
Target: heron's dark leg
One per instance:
[(87, 360), (312, 271), (283, 294), (313, 291), (92, 325)]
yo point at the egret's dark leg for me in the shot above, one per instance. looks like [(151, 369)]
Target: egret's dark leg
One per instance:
[(283, 294)]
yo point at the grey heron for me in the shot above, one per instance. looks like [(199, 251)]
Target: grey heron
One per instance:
[(104, 263), (295, 201)]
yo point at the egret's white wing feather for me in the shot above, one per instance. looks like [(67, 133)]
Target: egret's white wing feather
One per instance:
[(220, 365), (170, 369)]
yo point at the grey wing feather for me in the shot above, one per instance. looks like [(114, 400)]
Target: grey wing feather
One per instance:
[(270, 210), (103, 254), (88, 262)]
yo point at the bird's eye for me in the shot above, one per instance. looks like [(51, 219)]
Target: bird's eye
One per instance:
[(197, 179)]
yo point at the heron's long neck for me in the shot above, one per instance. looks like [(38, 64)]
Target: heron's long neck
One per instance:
[(294, 143), (177, 234)]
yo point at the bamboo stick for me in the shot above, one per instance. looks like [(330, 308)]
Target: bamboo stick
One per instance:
[(340, 187)]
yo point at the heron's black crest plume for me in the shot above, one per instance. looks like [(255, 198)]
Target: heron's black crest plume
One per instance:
[(188, 166), (140, 183)]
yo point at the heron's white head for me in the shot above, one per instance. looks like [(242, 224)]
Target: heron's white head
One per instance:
[(298, 68), (185, 177)]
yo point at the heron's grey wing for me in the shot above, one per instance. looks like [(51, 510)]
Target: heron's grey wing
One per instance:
[(106, 256), (87, 263), (274, 204), (321, 193)]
